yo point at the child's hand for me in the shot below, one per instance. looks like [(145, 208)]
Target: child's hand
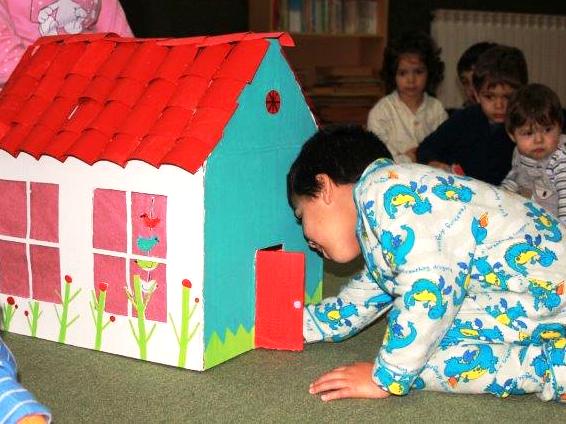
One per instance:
[(33, 419), (350, 381), (411, 154), (440, 165)]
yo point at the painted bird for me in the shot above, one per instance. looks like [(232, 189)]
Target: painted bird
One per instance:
[(147, 265), (150, 222), (146, 244)]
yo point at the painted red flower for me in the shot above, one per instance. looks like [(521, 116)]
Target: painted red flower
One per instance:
[(112, 318), (102, 286), (68, 279), (26, 313), (10, 300), (197, 300), (186, 283)]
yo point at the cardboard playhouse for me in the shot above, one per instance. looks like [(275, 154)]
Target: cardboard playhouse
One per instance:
[(143, 206)]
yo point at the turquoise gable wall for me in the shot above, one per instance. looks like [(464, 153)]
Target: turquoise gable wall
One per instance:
[(245, 195)]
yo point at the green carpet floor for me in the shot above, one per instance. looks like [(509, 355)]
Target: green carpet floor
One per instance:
[(84, 386)]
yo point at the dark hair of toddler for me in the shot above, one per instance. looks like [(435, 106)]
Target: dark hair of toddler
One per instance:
[(418, 43), (533, 104), (500, 65)]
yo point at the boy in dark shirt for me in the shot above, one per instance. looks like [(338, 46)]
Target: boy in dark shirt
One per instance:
[(465, 69), (474, 138)]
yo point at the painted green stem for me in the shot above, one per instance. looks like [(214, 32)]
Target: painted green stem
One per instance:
[(100, 305), (64, 324), (8, 314), (140, 309), (35, 314), (140, 303), (185, 335)]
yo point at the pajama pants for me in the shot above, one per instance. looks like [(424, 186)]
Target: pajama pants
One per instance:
[(499, 369)]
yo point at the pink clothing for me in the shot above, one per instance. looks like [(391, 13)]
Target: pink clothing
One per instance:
[(22, 22)]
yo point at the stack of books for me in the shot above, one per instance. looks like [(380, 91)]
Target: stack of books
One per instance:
[(326, 16)]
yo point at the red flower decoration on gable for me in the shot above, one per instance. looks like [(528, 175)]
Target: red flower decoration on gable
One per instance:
[(273, 102)]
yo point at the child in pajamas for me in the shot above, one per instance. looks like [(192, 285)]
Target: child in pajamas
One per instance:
[(472, 276)]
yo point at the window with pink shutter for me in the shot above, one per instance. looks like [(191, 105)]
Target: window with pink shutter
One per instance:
[(149, 237), (45, 273), (109, 220), (37, 245), (13, 208), (144, 257), (44, 201), (14, 277), (112, 270)]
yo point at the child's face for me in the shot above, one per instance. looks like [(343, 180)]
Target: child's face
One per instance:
[(536, 141), (494, 100), (329, 222), (467, 86), (411, 77)]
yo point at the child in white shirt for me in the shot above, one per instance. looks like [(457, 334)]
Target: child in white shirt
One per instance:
[(412, 70)]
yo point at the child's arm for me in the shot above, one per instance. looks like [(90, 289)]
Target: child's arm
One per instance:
[(510, 181), (438, 146), (113, 19), (11, 45), (559, 173), (16, 403), (358, 304), (380, 122)]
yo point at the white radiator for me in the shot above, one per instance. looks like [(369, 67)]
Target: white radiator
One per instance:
[(542, 38)]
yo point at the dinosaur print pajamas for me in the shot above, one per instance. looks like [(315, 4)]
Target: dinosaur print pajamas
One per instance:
[(472, 279)]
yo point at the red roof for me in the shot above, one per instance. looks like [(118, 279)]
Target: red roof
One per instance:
[(103, 97)]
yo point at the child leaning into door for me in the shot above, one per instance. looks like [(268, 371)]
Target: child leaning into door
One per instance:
[(472, 276)]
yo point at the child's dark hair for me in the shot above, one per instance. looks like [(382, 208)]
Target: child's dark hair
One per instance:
[(418, 43), (533, 103), (470, 56), (342, 152), (500, 65)]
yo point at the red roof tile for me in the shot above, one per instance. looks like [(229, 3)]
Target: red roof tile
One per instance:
[(102, 97)]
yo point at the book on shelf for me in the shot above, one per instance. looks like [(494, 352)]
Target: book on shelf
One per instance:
[(326, 16)]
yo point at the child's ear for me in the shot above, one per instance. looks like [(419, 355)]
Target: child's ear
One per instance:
[(326, 187), (511, 136), (476, 95)]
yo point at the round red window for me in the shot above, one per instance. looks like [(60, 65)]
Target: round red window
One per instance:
[(273, 101)]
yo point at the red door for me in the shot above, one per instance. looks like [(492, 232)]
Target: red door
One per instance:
[(280, 288)]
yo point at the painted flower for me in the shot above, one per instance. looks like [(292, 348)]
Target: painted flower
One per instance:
[(10, 300), (102, 287), (112, 318), (68, 279), (186, 283)]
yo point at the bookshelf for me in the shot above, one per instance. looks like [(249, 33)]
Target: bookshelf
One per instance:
[(338, 53)]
